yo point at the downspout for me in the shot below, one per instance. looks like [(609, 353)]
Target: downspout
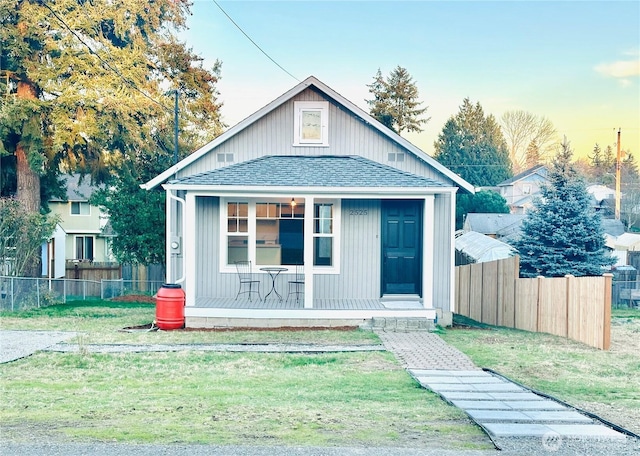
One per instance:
[(183, 203)]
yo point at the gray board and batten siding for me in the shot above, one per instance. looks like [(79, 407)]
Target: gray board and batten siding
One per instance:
[(349, 134), (359, 276)]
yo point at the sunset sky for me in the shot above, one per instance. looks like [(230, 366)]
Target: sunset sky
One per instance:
[(576, 63)]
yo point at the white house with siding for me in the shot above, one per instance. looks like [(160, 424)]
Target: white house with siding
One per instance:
[(80, 235), (311, 179)]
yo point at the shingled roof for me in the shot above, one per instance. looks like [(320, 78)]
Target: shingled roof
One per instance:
[(308, 171), (78, 188)]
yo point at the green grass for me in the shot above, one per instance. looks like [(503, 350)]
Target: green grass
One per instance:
[(604, 382), (338, 399)]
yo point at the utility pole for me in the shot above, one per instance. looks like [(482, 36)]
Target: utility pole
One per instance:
[(618, 179), (175, 130)]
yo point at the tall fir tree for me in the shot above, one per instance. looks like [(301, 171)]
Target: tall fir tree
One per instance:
[(471, 144), (90, 77), (532, 155), (563, 234), (86, 88), (395, 101)]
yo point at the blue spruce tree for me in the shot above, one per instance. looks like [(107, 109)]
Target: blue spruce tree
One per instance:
[(563, 234)]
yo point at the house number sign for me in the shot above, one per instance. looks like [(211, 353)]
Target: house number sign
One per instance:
[(358, 212)]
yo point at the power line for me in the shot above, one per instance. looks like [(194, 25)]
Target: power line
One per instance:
[(253, 42), (104, 62)]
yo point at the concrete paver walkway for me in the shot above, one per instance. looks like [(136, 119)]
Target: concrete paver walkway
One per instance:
[(501, 407)]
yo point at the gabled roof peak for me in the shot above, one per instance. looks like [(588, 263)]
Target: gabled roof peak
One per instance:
[(541, 170), (329, 93)]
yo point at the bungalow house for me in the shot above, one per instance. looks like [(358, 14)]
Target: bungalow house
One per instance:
[(311, 181)]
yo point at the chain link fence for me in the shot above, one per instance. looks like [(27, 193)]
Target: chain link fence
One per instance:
[(625, 293), (18, 293)]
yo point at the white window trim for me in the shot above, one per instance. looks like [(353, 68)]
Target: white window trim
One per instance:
[(251, 244), (75, 243), (80, 205), (299, 107)]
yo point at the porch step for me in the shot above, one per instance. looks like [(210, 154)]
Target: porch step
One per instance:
[(402, 324)]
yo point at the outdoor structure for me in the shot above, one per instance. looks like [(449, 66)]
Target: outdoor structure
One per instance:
[(313, 180), (472, 247), (621, 246), (520, 190), (505, 227), (80, 236)]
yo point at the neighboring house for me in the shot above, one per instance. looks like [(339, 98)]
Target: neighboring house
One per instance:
[(603, 199), (311, 179), (81, 229), (505, 227), (612, 227), (520, 190)]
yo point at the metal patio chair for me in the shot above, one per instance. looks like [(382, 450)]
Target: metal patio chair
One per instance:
[(247, 283), (296, 286)]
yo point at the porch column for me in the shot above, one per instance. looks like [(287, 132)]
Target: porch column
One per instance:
[(428, 242), (452, 249), (308, 251), (169, 225), (189, 242)]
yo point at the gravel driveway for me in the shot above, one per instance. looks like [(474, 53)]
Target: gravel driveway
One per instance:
[(20, 344)]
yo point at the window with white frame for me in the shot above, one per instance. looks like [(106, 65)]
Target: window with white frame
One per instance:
[(323, 234), (80, 208), (311, 123), (84, 248), (237, 231), (270, 232)]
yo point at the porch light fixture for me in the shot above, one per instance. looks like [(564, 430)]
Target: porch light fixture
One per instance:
[(293, 202)]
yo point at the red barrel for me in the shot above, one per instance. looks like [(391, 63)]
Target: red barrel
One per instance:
[(170, 306)]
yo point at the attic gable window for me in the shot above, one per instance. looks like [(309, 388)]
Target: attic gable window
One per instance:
[(311, 123)]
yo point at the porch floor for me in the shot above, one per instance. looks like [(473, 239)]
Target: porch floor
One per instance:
[(228, 312), (318, 304)]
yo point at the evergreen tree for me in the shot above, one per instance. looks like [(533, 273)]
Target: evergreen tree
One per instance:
[(87, 83), (563, 234), (488, 201), (137, 215), (609, 161), (395, 101), (484, 201), (89, 77), (532, 155), (471, 144)]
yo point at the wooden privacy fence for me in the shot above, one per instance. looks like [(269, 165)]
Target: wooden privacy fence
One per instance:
[(575, 307)]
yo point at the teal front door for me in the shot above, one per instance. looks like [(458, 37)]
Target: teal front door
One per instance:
[(401, 246)]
